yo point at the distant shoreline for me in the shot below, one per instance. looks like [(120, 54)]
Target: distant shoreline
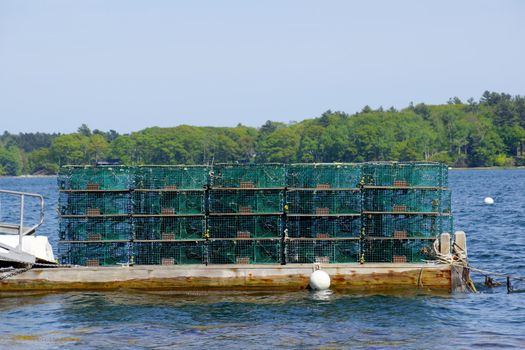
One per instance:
[(26, 176), (450, 168), (490, 168)]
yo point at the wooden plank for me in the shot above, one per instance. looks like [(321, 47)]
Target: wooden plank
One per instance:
[(366, 187), (324, 215), (352, 277), (430, 213), (165, 215), (320, 189), (93, 191), (217, 189), (96, 216), (244, 214)]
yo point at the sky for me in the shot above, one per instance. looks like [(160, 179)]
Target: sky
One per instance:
[(127, 65)]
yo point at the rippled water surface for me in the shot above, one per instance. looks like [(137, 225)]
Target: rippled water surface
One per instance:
[(327, 320)]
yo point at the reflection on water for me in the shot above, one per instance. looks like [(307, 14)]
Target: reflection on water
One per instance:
[(322, 295), (290, 320), (303, 319)]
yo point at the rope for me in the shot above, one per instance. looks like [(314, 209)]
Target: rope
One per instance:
[(491, 273), (419, 281), (11, 271), (15, 272), (460, 260), (51, 265)]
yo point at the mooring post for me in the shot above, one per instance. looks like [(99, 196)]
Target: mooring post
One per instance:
[(509, 286)]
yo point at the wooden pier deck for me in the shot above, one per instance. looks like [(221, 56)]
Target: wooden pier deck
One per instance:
[(356, 277)]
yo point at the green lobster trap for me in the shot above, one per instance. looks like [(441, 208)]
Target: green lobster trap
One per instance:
[(325, 251), (94, 253), (323, 226), (94, 203), (390, 250), (245, 251), (249, 176), (324, 175), (169, 253), (164, 202), (95, 229), (407, 200), (169, 227), (245, 226), (246, 201), (406, 226), (176, 177), (405, 174), (323, 202), (94, 178)]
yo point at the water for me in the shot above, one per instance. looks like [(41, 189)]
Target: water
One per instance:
[(327, 320)]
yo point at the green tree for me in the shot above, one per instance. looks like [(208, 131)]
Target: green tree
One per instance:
[(70, 149), (97, 147), (40, 161), (280, 146), (10, 161), (488, 132)]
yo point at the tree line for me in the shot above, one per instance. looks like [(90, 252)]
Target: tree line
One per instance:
[(487, 132)]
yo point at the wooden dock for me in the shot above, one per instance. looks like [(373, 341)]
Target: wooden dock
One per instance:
[(351, 277)]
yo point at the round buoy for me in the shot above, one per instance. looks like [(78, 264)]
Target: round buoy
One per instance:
[(319, 280), (488, 200)]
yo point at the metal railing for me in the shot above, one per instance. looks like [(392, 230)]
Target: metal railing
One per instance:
[(19, 229)]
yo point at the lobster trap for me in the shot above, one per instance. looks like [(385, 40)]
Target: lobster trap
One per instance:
[(94, 178), (336, 176), (323, 202), (323, 226), (393, 250), (94, 203), (245, 226), (407, 200), (94, 253), (166, 202), (245, 251), (95, 229), (169, 227), (410, 174), (246, 201), (169, 253), (325, 251), (249, 176), (172, 177), (406, 226)]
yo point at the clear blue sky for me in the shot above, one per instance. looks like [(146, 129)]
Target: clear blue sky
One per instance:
[(127, 65)]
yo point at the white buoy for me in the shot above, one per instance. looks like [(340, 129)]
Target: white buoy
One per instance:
[(488, 200), (319, 280)]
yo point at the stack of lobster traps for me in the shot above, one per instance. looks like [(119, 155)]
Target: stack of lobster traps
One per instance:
[(169, 214), (246, 214), (377, 212), (406, 206), (323, 213), (95, 215)]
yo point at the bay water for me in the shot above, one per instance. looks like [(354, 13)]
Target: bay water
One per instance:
[(490, 319)]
